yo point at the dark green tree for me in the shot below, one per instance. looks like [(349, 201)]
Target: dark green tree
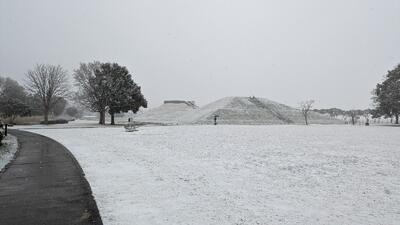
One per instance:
[(11, 108), (124, 93), (387, 95), (13, 99)]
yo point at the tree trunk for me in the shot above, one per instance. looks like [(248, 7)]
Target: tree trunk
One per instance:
[(46, 116), (13, 117), (112, 119), (102, 117), (397, 118), (306, 119)]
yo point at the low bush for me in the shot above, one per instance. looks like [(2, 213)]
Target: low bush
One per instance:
[(58, 121), (25, 120)]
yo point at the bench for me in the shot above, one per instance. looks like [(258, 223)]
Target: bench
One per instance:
[(130, 127)]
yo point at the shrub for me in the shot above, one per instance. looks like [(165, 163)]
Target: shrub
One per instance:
[(58, 121), (27, 120)]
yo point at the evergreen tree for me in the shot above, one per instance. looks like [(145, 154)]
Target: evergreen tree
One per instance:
[(124, 93), (12, 107), (13, 99), (387, 95)]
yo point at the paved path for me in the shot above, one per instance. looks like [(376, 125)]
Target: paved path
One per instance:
[(45, 185)]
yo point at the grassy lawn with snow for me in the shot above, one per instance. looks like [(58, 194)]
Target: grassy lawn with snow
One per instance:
[(240, 174), (7, 150)]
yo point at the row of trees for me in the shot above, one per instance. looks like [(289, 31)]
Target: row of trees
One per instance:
[(16, 100), (102, 87), (353, 114), (386, 96)]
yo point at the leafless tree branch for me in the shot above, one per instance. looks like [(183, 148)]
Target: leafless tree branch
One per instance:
[(48, 82), (305, 108)]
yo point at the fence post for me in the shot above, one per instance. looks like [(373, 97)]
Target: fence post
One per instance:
[(5, 130)]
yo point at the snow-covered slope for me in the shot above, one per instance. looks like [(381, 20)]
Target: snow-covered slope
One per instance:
[(296, 116), (232, 110), (166, 113)]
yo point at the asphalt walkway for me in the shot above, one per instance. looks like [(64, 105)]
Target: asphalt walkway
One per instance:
[(45, 185)]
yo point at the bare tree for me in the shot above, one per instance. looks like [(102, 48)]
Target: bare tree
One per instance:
[(49, 83), (354, 115), (92, 86), (305, 109)]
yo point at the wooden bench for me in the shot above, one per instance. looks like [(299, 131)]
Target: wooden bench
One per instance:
[(130, 127)]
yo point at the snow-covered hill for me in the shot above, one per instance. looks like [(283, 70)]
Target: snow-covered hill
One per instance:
[(167, 113), (232, 110)]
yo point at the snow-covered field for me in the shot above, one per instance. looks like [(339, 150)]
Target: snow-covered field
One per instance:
[(7, 150), (241, 174)]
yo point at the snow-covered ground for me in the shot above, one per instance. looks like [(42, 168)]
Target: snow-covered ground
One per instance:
[(7, 150), (241, 174)]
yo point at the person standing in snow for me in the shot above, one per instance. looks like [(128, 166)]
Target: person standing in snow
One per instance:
[(215, 119)]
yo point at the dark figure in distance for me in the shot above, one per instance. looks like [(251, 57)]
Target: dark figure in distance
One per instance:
[(215, 119)]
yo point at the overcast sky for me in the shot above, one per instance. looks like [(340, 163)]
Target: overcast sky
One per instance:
[(288, 51)]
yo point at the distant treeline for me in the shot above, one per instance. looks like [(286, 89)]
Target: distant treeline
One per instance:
[(101, 87), (16, 101), (334, 112)]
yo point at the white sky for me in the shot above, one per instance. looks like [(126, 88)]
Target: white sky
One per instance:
[(288, 51)]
